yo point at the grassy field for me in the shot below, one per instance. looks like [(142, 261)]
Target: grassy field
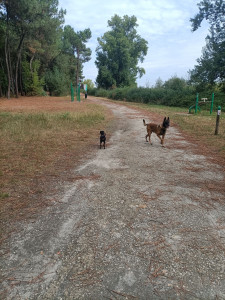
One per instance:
[(199, 128), (42, 139)]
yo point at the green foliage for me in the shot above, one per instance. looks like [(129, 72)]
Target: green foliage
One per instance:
[(57, 83), (93, 91), (74, 44), (210, 68), (31, 29), (101, 93), (119, 52), (3, 195), (33, 85), (3, 82), (90, 84), (118, 94), (175, 92), (36, 52)]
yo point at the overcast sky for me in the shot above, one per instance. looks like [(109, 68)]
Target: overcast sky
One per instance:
[(165, 24)]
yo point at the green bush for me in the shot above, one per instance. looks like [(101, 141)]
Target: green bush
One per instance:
[(57, 83), (174, 92), (101, 93), (32, 83)]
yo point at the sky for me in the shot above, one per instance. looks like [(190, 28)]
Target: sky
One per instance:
[(172, 47)]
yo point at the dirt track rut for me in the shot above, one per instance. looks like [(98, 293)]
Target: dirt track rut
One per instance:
[(137, 222)]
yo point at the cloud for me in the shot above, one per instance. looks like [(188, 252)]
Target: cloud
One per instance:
[(165, 24)]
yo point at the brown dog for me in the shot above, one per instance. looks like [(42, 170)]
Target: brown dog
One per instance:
[(159, 130)]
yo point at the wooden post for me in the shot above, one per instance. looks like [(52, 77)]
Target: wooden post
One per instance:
[(218, 120)]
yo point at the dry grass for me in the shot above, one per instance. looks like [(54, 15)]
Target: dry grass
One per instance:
[(42, 140), (199, 129)]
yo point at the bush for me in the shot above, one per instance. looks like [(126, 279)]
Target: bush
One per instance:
[(32, 83), (57, 83), (101, 93), (175, 92)]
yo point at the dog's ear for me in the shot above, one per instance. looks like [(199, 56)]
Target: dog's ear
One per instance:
[(165, 119), (168, 118)]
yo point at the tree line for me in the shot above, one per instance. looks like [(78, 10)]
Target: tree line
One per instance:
[(173, 92), (210, 69), (206, 78), (38, 54), (121, 49)]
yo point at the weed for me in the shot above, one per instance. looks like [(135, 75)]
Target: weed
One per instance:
[(4, 195)]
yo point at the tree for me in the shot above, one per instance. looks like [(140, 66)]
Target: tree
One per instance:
[(159, 83), (35, 51), (75, 45), (67, 66), (89, 83), (119, 52), (175, 83), (26, 22), (211, 65)]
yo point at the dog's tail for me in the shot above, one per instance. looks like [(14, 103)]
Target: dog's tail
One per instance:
[(144, 122)]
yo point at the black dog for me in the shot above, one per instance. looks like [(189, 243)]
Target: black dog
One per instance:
[(102, 138)]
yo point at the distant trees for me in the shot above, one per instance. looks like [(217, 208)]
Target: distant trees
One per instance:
[(67, 66), (211, 65), (29, 28), (173, 92), (75, 45), (89, 83), (119, 52), (36, 53)]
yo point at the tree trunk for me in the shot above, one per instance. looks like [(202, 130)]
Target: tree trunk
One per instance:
[(7, 52), (12, 85), (7, 66), (17, 65), (0, 90), (31, 61), (78, 59), (20, 79)]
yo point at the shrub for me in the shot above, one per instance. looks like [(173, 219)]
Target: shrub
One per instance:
[(175, 92)]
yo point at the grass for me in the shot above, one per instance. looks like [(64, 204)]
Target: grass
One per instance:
[(42, 139), (199, 127), (31, 138)]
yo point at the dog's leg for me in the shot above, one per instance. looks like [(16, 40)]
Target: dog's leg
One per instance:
[(104, 145), (146, 137), (150, 137), (159, 138), (162, 140)]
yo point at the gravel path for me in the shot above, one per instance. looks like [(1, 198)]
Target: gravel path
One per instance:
[(137, 222)]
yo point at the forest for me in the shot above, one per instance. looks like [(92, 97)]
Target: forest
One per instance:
[(40, 55)]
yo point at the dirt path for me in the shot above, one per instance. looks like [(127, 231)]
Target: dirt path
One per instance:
[(137, 222)]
